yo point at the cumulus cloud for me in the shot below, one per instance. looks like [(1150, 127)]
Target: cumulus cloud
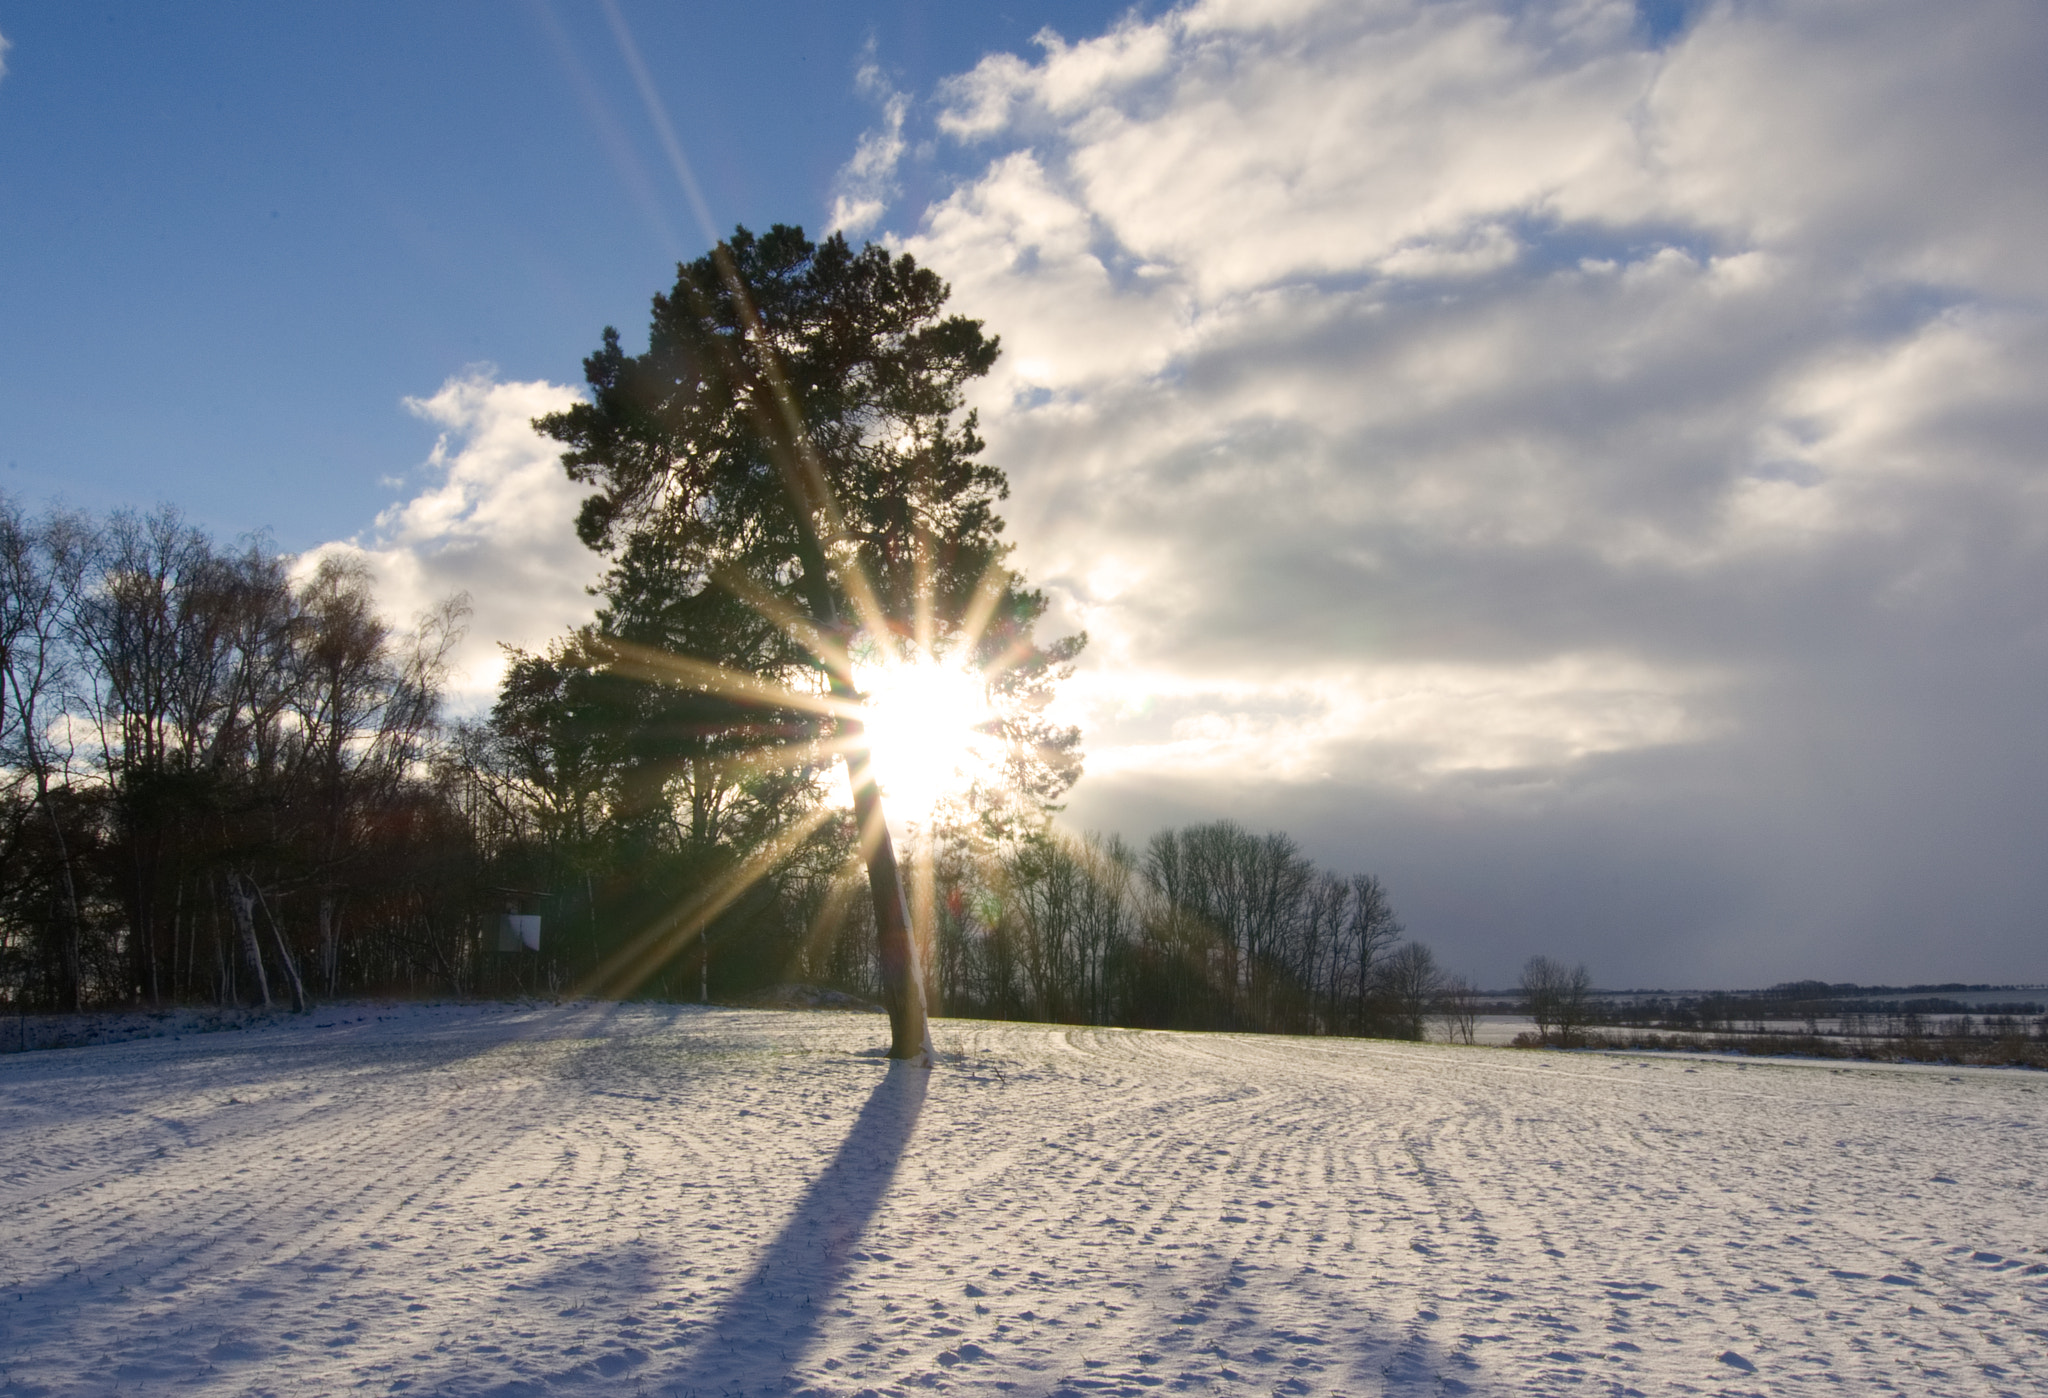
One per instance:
[(1474, 432), (494, 518)]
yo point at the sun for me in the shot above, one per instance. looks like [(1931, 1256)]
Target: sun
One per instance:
[(927, 731)]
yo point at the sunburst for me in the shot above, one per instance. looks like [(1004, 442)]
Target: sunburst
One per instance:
[(927, 725), (921, 720)]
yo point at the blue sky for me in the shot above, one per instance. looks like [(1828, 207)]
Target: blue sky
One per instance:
[(238, 235), (1581, 461)]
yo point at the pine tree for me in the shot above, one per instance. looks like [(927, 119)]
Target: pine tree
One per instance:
[(794, 436)]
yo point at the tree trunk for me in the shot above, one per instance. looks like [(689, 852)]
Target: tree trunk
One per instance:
[(910, 1033), (223, 969), (74, 971), (284, 954), (242, 907), (144, 862), (178, 937), (330, 942)]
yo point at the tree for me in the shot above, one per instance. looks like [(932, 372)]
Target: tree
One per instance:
[(793, 437), (1557, 996), (1370, 931), (1574, 1003), (1539, 992), (1409, 984), (39, 568), (1458, 1009)]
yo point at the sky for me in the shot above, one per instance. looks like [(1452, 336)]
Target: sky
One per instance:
[(1579, 461)]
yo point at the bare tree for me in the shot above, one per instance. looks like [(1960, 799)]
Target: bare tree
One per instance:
[(1540, 976), (1559, 998), (1107, 916), (1044, 882), (1574, 1004), (39, 569), (1372, 929), (1457, 1009), (1408, 983)]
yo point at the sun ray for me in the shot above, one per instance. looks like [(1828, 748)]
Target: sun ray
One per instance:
[(633, 964), (1010, 657), (657, 113), (829, 649), (847, 884), (663, 667), (804, 477), (981, 608), (779, 758), (873, 619), (922, 620)]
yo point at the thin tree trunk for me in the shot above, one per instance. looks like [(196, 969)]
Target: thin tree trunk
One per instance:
[(177, 935), (242, 907), (155, 990), (74, 971), (330, 941), (284, 954), (223, 972), (142, 922)]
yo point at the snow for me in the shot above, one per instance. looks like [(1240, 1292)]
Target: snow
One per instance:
[(503, 1200)]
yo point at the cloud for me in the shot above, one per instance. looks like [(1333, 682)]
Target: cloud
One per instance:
[(866, 183), (1486, 438), (495, 519)]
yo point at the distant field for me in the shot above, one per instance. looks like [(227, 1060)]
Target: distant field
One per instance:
[(473, 1200)]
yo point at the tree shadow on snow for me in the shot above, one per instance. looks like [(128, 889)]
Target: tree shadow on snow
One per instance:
[(765, 1323), (1245, 1322), (770, 1318)]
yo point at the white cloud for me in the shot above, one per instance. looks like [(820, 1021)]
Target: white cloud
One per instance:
[(1414, 724), (495, 518), (1468, 405), (866, 183), (1880, 135)]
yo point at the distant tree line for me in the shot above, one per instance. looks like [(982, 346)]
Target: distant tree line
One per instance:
[(2002, 1040), (1806, 1018), (1809, 1002), (226, 780)]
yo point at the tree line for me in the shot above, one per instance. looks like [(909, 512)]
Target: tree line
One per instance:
[(227, 780), (1210, 926), (217, 780)]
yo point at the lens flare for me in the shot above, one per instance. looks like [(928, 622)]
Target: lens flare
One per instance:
[(927, 733)]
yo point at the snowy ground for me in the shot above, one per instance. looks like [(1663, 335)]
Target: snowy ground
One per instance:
[(494, 1200)]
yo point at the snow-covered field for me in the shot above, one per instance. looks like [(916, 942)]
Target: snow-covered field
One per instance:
[(495, 1200)]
